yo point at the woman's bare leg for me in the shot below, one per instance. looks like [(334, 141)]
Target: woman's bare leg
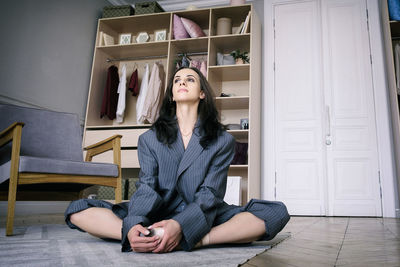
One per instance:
[(244, 227), (100, 222)]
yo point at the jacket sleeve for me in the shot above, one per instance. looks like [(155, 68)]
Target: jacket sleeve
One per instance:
[(145, 199), (198, 216)]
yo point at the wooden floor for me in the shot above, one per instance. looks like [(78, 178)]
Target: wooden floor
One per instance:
[(335, 241), (314, 241)]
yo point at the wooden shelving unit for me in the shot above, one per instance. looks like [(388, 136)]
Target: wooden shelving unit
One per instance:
[(243, 82)]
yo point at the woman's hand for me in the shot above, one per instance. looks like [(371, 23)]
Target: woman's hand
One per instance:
[(142, 243), (172, 235)]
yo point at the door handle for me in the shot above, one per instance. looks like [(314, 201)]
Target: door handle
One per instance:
[(328, 126)]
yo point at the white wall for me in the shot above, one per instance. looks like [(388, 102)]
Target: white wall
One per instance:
[(46, 52)]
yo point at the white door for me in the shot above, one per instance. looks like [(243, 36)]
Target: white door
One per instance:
[(353, 172), (326, 153), (298, 101)]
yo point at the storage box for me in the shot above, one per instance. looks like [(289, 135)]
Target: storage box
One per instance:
[(118, 11), (128, 188), (148, 7)]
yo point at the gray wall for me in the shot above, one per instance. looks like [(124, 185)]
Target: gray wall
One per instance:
[(46, 52)]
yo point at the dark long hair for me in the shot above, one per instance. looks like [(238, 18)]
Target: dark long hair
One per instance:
[(166, 125)]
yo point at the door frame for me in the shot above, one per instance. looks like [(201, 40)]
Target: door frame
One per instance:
[(384, 139)]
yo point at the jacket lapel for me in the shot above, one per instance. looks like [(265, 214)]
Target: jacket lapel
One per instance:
[(192, 151), (177, 149)]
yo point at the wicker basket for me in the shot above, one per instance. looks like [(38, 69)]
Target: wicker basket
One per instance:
[(118, 11), (148, 7)]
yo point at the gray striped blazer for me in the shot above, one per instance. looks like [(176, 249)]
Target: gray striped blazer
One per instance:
[(193, 180)]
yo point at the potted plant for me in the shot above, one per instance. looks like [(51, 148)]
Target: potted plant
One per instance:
[(240, 57)]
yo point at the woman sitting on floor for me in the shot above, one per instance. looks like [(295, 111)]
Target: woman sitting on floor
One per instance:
[(184, 160)]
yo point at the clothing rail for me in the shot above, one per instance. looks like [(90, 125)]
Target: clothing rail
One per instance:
[(152, 57)]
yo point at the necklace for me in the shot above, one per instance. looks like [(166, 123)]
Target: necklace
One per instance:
[(186, 135)]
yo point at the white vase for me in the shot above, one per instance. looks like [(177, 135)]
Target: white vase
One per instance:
[(237, 2)]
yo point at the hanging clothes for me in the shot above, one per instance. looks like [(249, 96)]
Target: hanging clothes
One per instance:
[(110, 96), (397, 65), (122, 95), (142, 95), (203, 68), (154, 94), (134, 83)]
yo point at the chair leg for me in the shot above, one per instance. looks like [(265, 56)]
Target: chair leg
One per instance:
[(12, 194), (118, 191)]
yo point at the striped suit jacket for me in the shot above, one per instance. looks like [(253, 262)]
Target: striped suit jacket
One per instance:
[(193, 180)]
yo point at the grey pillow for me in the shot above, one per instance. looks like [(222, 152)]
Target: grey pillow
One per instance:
[(223, 59)]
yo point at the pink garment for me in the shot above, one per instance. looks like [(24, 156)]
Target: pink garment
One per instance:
[(195, 64), (203, 68), (154, 94)]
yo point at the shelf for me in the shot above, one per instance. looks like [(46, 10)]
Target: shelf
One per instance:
[(135, 50), (239, 134), (227, 43), (232, 102), (190, 45), (230, 72), (200, 16), (118, 126), (236, 167), (134, 24)]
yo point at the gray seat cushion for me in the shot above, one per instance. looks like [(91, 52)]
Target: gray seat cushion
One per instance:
[(56, 166)]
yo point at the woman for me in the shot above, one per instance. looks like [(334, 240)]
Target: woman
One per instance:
[(184, 160)]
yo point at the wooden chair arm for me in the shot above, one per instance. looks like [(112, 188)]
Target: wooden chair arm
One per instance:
[(111, 143), (8, 134), (102, 142)]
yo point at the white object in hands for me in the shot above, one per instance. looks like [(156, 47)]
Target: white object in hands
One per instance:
[(233, 194)]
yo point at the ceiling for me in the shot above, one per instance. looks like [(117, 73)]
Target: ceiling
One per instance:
[(171, 5)]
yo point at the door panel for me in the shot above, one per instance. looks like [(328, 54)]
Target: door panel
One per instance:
[(299, 166), (326, 150), (353, 182)]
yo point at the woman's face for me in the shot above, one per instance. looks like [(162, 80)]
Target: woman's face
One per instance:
[(186, 86)]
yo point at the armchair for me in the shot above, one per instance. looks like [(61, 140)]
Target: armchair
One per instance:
[(41, 156)]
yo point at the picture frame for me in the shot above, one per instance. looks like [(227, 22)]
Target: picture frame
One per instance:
[(125, 38), (160, 35), (142, 37)]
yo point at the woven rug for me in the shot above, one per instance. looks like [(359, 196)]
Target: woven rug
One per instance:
[(57, 245)]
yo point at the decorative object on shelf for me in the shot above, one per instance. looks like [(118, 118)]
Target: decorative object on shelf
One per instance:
[(226, 95), (240, 154), (394, 9), (244, 124), (224, 26), (148, 7), (192, 28), (240, 57), (125, 38), (142, 37), (118, 11), (108, 39), (245, 25), (160, 35), (179, 30), (223, 59), (237, 2), (101, 39), (191, 7)]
